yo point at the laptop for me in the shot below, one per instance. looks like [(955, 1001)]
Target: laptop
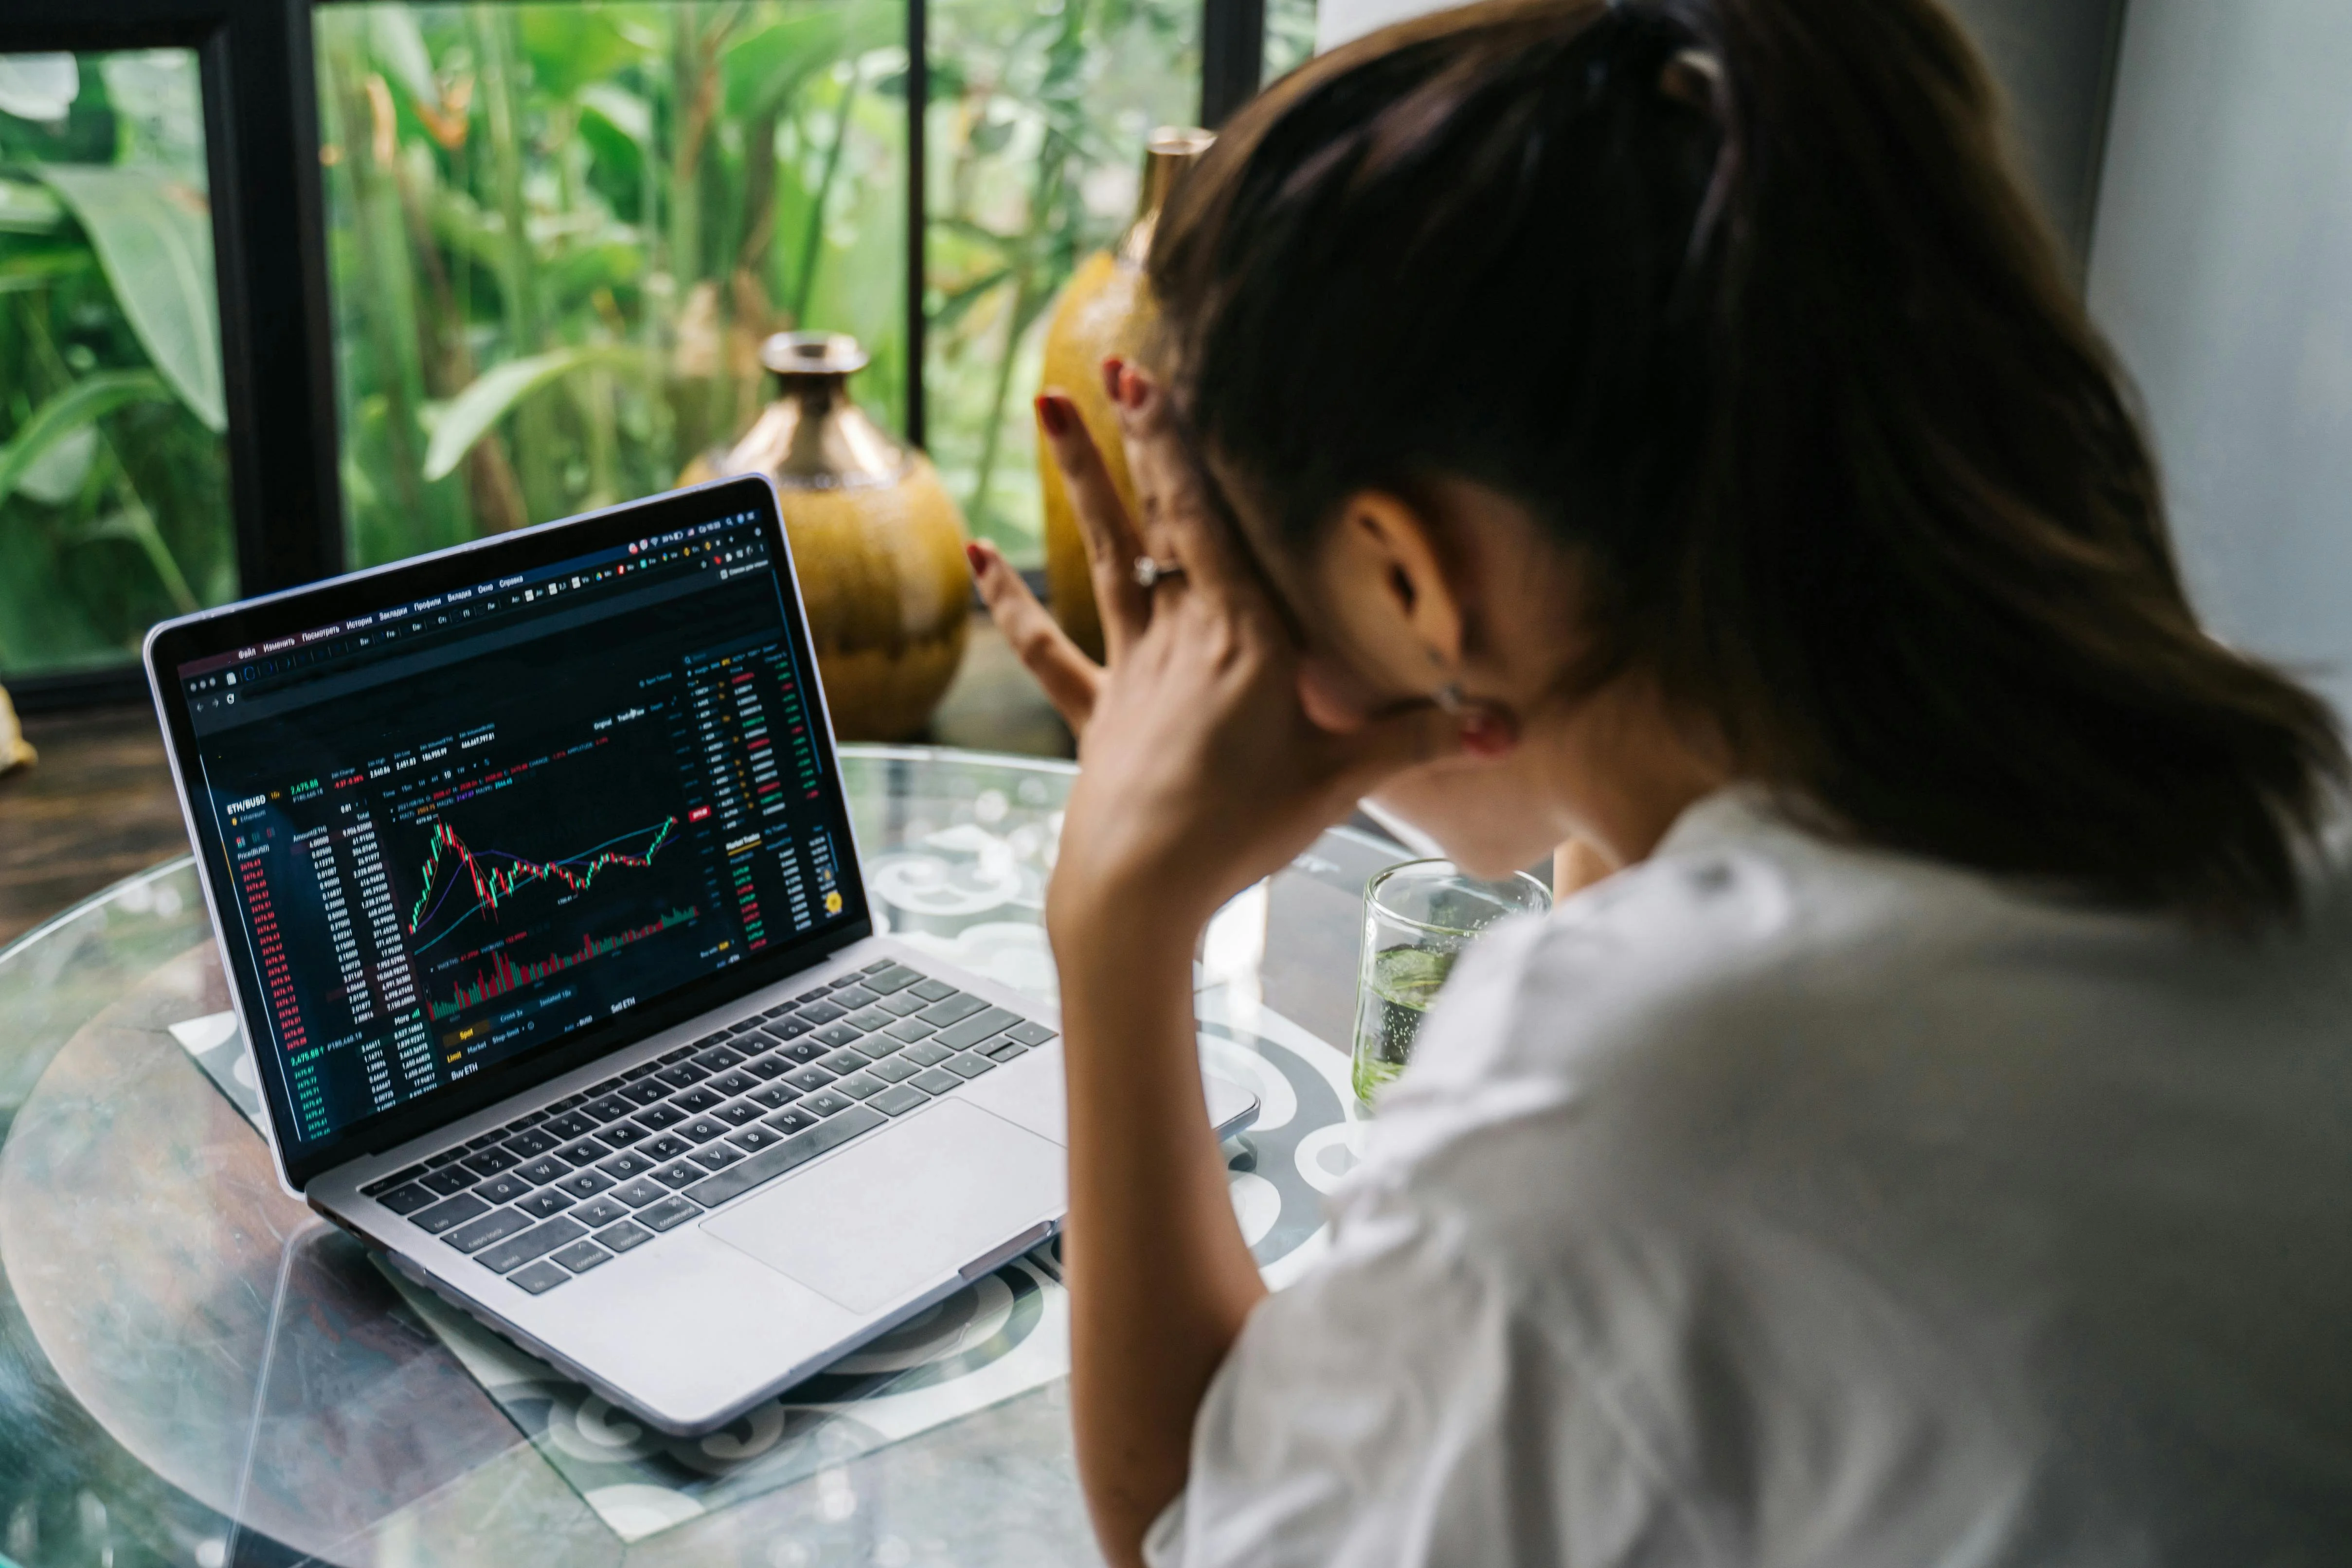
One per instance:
[(540, 902)]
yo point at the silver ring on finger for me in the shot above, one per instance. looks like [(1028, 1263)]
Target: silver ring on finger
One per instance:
[(1151, 573)]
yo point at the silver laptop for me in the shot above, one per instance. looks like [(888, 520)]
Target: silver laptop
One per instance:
[(537, 892)]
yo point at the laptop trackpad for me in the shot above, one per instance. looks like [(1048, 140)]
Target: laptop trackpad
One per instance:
[(903, 1209)]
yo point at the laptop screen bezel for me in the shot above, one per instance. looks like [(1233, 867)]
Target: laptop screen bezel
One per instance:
[(179, 643)]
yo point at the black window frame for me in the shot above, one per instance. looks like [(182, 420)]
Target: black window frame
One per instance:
[(256, 69)]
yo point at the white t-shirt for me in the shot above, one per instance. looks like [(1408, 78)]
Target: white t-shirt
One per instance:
[(1777, 1202)]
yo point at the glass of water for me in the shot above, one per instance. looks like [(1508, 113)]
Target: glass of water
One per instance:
[(1418, 917)]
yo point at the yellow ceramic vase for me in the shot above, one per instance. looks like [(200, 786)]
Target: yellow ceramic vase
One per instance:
[(877, 544), (1104, 309)]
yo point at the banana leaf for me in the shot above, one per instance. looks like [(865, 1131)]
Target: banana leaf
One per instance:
[(73, 410), (468, 416)]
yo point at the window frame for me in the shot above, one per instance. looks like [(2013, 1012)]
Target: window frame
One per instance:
[(258, 74)]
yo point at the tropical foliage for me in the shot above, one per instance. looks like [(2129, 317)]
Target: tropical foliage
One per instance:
[(113, 474)]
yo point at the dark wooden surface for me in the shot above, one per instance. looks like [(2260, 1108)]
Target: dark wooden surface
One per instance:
[(99, 805)]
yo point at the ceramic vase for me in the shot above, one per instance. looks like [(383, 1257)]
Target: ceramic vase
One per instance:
[(877, 544)]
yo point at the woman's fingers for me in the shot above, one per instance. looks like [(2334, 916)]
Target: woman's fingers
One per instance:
[(1070, 679), (1111, 540), (1179, 521)]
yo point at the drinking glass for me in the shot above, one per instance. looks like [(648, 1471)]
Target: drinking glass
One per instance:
[(1418, 917)]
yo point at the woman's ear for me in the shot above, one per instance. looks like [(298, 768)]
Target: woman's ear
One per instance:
[(1400, 613)]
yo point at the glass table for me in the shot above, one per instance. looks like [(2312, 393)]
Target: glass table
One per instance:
[(195, 1369)]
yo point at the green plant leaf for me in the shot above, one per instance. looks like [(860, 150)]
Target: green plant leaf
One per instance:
[(154, 235), (495, 393), (74, 409), (28, 209)]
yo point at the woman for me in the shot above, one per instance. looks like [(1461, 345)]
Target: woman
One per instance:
[(1665, 426)]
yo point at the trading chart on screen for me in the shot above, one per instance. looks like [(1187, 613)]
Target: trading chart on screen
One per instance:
[(474, 825)]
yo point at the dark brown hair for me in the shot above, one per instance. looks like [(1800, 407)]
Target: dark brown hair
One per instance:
[(1743, 299)]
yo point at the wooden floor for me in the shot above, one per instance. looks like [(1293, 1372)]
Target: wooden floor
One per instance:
[(99, 805)]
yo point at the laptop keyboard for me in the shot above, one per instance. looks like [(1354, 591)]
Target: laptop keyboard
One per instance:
[(554, 1194)]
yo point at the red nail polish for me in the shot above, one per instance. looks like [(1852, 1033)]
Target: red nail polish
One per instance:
[(1053, 415), (973, 553), (1114, 370)]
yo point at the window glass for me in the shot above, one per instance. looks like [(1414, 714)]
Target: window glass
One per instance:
[(559, 233), (1290, 36), (113, 469), (1039, 113)]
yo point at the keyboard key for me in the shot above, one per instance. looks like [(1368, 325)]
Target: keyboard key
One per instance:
[(660, 1116), (1003, 1050), (494, 1226), (878, 965), (569, 1103), (611, 1108), (894, 1069), (836, 1034), (821, 1012), (408, 1200), (853, 997), (775, 1065), (520, 1123), (680, 1054), (620, 1135), (954, 1010), (536, 1243), (531, 1144), (538, 1278), (645, 1090), (586, 1152), (786, 1029), (772, 1163), (667, 1147), (842, 1063), (718, 1156), (910, 1030), (861, 1085), (490, 1162), (622, 1237), (682, 1075), (753, 1139), (699, 1098), (447, 1215), (824, 1103), (717, 1059), (923, 1053), (540, 1171), (808, 1078), (668, 1214), (903, 1004), (681, 1174), (502, 1188), (775, 1096), (933, 990), (641, 1192), (583, 1184), (892, 979), (749, 1025), (970, 1065), (581, 1256), (702, 1129), (812, 995), (599, 1211), (843, 983), (643, 1070), (729, 1085), (546, 1201), (938, 1079), (1029, 1033), (607, 1087), (477, 1145), (792, 1120), (979, 1026), (442, 1159), (629, 1163), (570, 1125), (807, 1049), (398, 1178), (868, 1020), (737, 1113), (899, 1099)]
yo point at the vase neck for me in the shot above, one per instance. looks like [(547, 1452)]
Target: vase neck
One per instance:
[(1167, 155)]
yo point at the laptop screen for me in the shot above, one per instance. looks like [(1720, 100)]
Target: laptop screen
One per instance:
[(465, 827)]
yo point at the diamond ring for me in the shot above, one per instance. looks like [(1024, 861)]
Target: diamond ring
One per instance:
[(1150, 572)]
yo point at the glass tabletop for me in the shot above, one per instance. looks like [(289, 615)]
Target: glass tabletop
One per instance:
[(196, 1369)]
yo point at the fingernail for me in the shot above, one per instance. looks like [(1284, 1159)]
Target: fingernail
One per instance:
[(978, 555), (1053, 415), (1113, 370)]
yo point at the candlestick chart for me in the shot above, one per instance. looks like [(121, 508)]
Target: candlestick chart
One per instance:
[(488, 878)]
